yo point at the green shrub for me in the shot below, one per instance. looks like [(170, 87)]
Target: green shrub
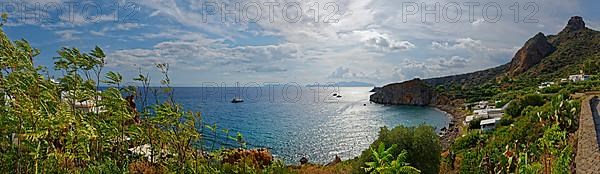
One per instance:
[(514, 108), (468, 141), (563, 162), (422, 144), (471, 161), (501, 103), (383, 162), (426, 150), (475, 123), (505, 121), (552, 89), (533, 100)]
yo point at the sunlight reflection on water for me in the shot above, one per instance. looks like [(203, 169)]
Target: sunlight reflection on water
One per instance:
[(318, 125)]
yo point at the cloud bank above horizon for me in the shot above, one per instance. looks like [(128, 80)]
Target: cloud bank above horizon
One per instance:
[(306, 42)]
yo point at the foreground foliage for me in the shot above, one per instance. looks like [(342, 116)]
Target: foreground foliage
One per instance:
[(537, 141), (384, 163), (71, 126)]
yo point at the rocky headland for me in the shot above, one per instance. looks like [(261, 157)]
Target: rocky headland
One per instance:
[(414, 92)]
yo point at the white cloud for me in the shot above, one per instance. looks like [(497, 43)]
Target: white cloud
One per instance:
[(155, 13), (116, 28), (431, 67), (383, 42), (208, 54), (460, 43), (452, 62), (128, 26), (370, 35), (477, 22), (266, 69), (472, 46), (98, 33), (68, 35), (345, 73), (79, 19)]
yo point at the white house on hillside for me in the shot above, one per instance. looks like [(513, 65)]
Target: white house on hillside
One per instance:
[(579, 77), (482, 104), (489, 124), (488, 113)]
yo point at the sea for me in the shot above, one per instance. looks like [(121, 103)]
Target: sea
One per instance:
[(294, 122)]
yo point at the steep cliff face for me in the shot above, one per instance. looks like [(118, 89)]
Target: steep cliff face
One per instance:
[(532, 53), (414, 92)]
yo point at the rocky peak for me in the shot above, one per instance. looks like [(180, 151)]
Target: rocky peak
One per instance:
[(532, 53), (539, 37), (576, 23)]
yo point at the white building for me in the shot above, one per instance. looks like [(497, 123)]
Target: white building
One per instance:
[(489, 124), (578, 78), (489, 113), (482, 104), (470, 118), (546, 85), (85, 105)]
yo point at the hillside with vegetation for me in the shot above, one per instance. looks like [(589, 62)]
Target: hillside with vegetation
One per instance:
[(541, 58), (573, 51), (536, 133)]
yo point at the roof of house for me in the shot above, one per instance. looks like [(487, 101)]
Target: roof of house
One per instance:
[(470, 118), (489, 121)]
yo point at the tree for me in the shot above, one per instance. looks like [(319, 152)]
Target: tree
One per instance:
[(533, 100), (426, 150)]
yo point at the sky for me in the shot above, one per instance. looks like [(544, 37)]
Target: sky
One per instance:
[(292, 41)]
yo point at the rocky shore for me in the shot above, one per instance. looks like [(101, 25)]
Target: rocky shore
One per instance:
[(417, 92), (453, 131)]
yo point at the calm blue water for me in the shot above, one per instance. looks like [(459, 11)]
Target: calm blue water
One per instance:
[(297, 121)]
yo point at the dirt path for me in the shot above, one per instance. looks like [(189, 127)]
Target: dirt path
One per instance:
[(596, 118), (588, 143)]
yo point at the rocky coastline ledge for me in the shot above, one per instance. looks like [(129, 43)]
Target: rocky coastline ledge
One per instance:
[(417, 92)]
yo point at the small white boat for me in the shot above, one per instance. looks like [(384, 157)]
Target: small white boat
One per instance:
[(237, 100)]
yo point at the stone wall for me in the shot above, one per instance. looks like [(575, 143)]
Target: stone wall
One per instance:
[(588, 149)]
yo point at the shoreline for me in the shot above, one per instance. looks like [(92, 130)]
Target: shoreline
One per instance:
[(456, 116)]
